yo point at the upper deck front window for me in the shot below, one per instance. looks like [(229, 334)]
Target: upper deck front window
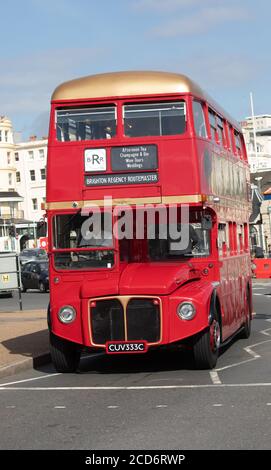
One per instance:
[(86, 123), (154, 119)]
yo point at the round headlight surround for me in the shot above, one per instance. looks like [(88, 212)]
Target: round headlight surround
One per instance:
[(67, 314), (186, 310)]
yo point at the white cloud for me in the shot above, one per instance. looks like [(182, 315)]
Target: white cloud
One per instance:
[(168, 6), (229, 71), (162, 5), (26, 83), (200, 22)]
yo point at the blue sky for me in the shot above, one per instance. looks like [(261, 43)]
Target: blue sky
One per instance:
[(224, 45)]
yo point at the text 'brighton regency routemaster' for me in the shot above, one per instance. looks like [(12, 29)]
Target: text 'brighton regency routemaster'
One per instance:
[(147, 206)]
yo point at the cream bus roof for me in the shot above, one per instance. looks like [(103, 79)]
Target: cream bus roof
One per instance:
[(123, 84)]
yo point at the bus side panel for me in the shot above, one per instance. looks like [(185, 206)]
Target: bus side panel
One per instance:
[(180, 155), (66, 169), (234, 279)]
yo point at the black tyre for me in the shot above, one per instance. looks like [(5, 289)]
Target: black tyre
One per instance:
[(207, 343), (65, 354), (246, 331), (49, 318)]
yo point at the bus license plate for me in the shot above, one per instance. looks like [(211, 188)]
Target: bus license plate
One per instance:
[(126, 347)]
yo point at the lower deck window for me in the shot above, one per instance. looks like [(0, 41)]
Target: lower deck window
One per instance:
[(74, 233), (84, 260), (193, 241)]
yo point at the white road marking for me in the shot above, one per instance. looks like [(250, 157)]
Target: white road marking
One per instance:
[(217, 404), (215, 377), (265, 332), (262, 284), (30, 380), (236, 364), (60, 407), (256, 293), (248, 349), (268, 404), (113, 406), (161, 406), (143, 387)]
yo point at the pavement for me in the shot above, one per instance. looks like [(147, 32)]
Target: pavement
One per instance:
[(24, 341)]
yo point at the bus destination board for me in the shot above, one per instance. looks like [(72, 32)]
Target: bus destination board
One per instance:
[(121, 178), (134, 158)]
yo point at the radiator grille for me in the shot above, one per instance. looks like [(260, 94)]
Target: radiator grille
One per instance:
[(143, 320), (119, 319), (107, 321)]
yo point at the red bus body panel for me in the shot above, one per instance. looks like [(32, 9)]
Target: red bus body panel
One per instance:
[(189, 167)]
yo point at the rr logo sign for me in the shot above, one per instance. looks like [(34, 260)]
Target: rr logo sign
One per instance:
[(95, 160)]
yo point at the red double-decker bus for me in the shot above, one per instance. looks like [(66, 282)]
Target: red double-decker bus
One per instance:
[(136, 152)]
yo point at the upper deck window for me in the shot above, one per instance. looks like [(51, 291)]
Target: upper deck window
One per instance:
[(154, 119), (231, 140), (199, 119), (86, 123), (237, 142), (221, 131), (212, 121)]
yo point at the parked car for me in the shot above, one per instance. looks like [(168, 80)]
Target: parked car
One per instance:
[(32, 254), (6, 293), (35, 275)]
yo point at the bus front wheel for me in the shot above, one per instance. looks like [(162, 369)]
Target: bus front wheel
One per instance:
[(65, 354), (206, 345)]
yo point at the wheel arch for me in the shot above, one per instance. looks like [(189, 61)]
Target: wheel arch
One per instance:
[(215, 306)]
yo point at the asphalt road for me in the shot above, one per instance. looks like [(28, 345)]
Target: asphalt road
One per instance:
[(155, 401), (31, 300)]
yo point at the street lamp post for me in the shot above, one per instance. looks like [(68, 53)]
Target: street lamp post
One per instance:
[(262, 244), (253, 124)]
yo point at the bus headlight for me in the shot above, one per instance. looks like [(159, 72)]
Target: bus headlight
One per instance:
[(186, 311), (67, 314)]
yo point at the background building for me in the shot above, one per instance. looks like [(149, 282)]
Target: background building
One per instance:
[(22, 188), (257, 134), (30, 161), (259, 157)]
